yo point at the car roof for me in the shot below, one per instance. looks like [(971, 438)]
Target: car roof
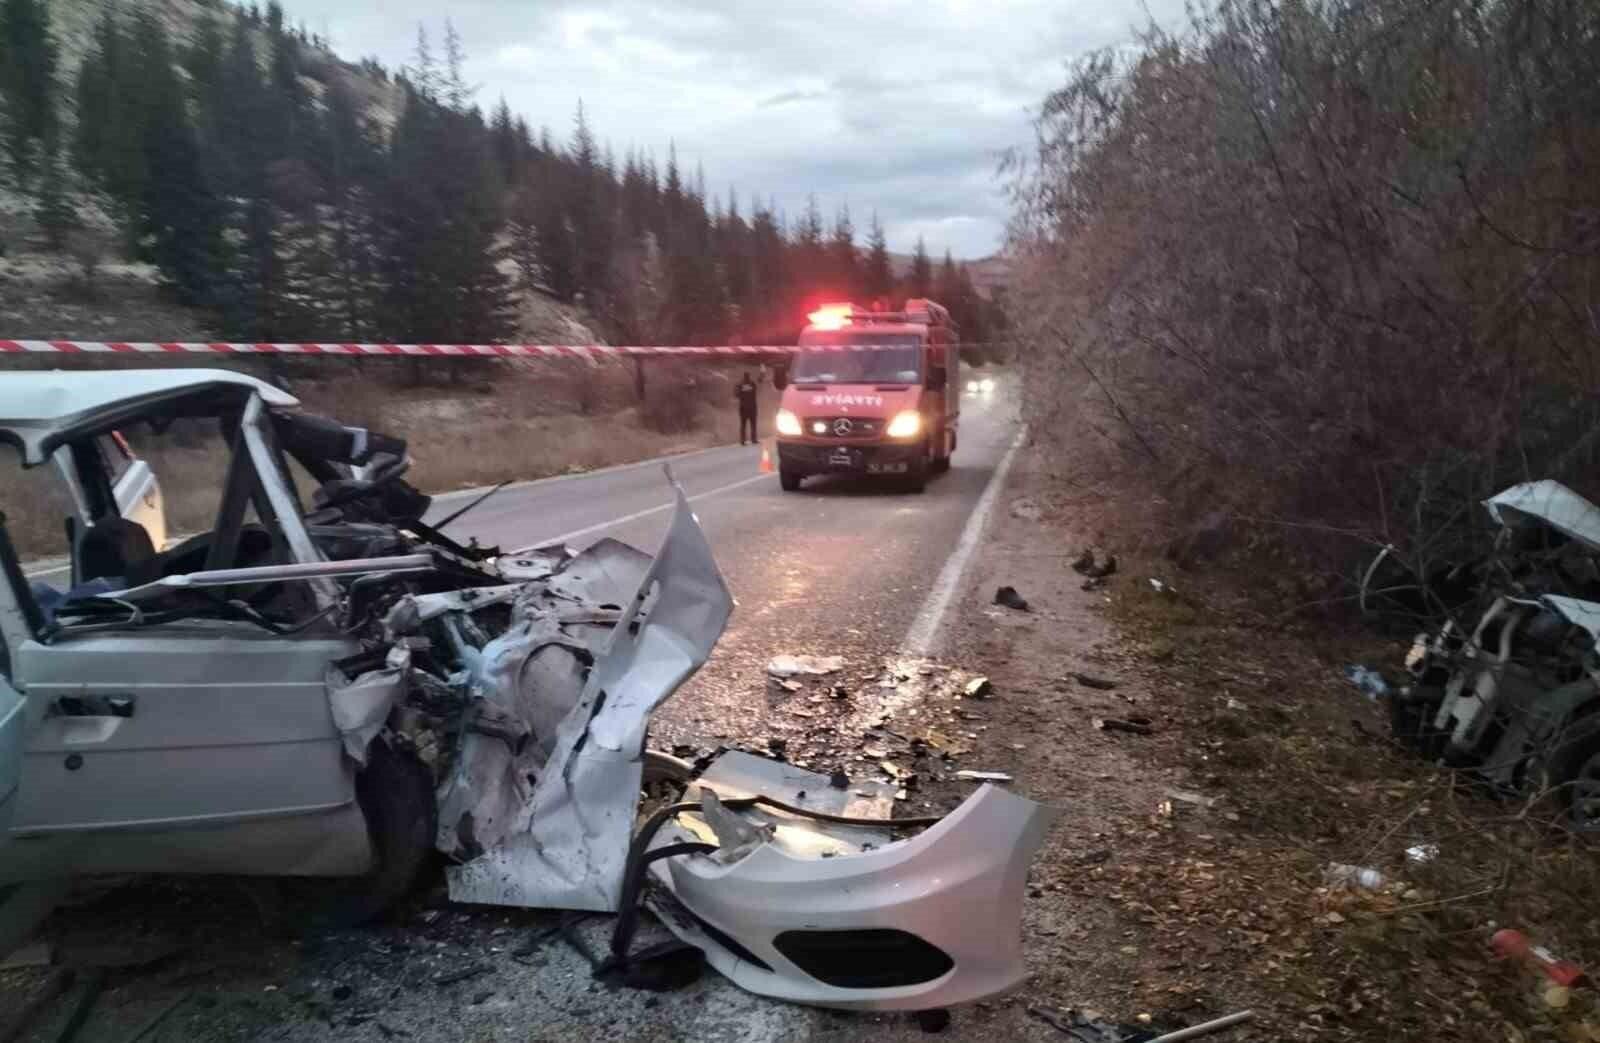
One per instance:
[(40, 411)]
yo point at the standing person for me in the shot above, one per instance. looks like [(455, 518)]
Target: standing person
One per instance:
[(746, 392)]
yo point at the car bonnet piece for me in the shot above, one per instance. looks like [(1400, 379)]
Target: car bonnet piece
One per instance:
[(1549, 502), (568, 848), (840, 916)]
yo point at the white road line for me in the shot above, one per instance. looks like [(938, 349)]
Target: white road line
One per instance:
[(925, 628), (568, 537)]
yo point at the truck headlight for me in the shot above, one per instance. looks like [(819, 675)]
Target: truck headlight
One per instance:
[(788, 423), (905, 424)]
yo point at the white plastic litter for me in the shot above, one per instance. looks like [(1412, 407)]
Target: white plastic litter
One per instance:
[(805, 665)]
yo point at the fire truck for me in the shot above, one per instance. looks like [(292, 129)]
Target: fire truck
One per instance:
[(869, 393)]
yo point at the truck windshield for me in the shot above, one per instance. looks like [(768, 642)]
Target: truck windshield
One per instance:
[(901, 364)]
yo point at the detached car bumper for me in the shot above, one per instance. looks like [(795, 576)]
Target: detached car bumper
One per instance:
[(845, 458), (822, 914)]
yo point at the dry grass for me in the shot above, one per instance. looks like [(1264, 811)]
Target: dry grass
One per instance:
[(1307, 763)]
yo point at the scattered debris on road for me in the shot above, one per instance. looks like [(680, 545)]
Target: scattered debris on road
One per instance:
[(1133, 726), (983, 776), (1368, 680), (978, 688), (1339, 874), (785, 666), (1087, 566), (1007, 597), (1097, 683)]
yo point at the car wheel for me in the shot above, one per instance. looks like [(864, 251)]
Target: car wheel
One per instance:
[(1571, 777), (395, 791), (788, 480)]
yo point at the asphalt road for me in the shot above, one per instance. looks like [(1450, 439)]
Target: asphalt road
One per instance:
[(843, 567)]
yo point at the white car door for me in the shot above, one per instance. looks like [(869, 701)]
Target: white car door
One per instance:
[(135, 486), (13, 733)]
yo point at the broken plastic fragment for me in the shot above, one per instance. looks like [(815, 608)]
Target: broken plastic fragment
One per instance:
[(983, 776), (806, 665), (736, 836)]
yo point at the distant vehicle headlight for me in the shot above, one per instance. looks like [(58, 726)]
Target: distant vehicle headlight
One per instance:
[(788, 423), (987, 384), (972, 386), (905, 424)]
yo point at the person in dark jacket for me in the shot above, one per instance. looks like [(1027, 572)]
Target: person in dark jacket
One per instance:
[(746, 392)]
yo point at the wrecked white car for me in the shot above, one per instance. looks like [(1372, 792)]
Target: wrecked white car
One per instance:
[(323, 684), (1514, 695)]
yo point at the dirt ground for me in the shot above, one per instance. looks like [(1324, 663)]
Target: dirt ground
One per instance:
[(1188, 875)]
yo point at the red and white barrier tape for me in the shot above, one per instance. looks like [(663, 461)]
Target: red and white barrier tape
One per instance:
[(78, 347)]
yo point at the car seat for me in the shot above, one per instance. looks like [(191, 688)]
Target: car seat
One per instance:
[(115, 546)]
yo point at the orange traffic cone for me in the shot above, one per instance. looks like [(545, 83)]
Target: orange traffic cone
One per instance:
[(766, 459)]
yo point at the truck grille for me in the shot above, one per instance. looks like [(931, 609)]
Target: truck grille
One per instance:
[(859, 427)]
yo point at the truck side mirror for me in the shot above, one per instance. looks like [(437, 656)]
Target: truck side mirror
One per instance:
[(780, 377), (938, 377)]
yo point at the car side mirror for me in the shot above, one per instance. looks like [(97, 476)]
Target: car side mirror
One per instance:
[(938, 377), (780, 377)]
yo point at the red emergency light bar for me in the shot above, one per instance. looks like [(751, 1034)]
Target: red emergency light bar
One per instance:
[(917, 310)]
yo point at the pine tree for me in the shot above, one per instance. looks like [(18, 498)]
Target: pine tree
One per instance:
[(507, 150), (353, 163), (456, 92), (177, 214), (920, 281), (440, 264), (947, 285), (54, 210), (844, 263), (878, 277), (28, 60)]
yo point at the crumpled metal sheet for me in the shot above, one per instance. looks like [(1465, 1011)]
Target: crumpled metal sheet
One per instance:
[(1549, 502), (360, 707), (569, 844)]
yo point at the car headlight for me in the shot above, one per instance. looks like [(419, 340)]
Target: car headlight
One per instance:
[(788, 423), (905, 424), (972, 385), (988, 385)]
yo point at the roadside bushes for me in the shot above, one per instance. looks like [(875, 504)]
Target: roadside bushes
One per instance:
[(1331, 265)]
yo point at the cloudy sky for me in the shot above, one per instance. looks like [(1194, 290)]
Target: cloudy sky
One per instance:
[(888, 105)]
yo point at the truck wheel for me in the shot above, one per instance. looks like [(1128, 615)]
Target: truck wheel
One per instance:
[(788, 480), (917, 477), (395, 791), (1571, 776)]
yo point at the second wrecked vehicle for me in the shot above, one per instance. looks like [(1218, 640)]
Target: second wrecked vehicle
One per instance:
[(1514, 694), (324, 684)]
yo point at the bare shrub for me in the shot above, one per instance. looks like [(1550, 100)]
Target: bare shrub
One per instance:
[(671, 399), (1329, 265)]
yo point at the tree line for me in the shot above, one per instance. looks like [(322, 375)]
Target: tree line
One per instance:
[(247, 164), (1331, 264)]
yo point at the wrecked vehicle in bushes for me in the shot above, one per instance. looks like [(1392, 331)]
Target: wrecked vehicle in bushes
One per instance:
[(324, 684), (1512, 693)]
